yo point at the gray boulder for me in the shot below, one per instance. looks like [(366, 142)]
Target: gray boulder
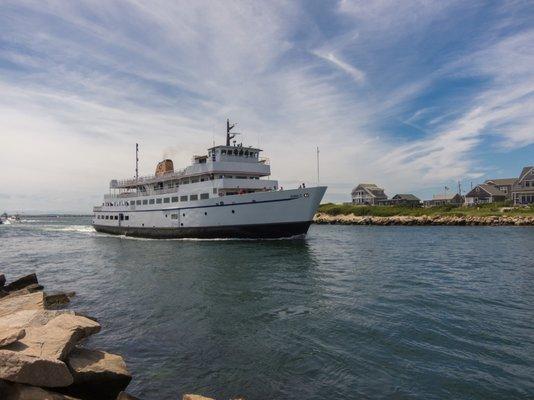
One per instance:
[(10, 335), (17, 391), (29, 301), (22, 282), (126, 396), (36, 371), (97, 374), (27, 318), (57, 338)]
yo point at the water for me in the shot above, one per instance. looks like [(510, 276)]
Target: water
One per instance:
[(350, 313)]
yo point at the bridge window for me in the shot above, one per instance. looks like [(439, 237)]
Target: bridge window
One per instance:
[(193, 197), (145, 202), (167, 200), (151, 201), (175, 199), (138, 202), (183, 198), (204, 196), (158, 201)]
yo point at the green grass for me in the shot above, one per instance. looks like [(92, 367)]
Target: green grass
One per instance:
[(389, 211)]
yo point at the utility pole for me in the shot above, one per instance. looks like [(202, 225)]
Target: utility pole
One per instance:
[(318, 165)]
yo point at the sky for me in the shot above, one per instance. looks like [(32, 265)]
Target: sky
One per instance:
[(410, 95)]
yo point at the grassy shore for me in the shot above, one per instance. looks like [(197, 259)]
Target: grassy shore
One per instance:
[(485, 210)]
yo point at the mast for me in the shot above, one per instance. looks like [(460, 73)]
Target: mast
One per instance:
[(136, 161), (229, 136)]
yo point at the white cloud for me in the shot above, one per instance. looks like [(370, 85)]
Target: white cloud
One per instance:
[(92, 78)]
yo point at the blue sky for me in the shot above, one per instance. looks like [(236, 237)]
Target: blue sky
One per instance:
[(411, 95)]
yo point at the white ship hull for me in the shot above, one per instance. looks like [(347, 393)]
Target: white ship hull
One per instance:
[(270, 214)]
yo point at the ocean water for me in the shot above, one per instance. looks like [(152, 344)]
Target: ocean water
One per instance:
[(352, 312)]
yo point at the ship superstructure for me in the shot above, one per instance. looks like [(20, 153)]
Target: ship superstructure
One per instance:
[(225, 193)]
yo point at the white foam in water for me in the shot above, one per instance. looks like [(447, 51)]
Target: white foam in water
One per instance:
[(70, 228)]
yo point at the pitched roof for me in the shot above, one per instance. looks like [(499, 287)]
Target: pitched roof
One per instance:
[(444, 196), (501, 181), (525, 172), (372, 189), (492, 190), (407, 196)]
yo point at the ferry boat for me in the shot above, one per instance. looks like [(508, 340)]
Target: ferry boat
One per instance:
[(223, 194)]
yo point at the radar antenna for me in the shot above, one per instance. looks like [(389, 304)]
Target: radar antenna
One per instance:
[(229, 136)]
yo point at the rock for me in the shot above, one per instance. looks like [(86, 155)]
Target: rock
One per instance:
[(30, 301), (126, 396), (55, 300), (21, 283), (22, 368), (17, 391), (3, 293), (195, 397), (10, 335), (2, 280), (34, 287), (56, 338), (16, 293), (28, 318), (97, 374)]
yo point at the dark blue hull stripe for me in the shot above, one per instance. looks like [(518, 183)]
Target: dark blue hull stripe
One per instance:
[(254, 231), (208, 206)]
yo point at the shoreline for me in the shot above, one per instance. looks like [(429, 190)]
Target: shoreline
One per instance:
[(42, 349), (321, 218)]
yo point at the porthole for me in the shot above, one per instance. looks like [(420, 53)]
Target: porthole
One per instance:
[(205, 213), (233, 211), (306, 195), (181, 224), (183, 215)]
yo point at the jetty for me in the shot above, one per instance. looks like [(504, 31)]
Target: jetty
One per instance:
[(468, 220), (42, 352)]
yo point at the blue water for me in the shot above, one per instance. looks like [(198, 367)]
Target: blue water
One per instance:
[(352, 312)]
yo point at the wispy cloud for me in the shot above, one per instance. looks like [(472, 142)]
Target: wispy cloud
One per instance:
[(404, 95)]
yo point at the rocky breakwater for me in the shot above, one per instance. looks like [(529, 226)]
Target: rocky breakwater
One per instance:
[(41, 357), (351, 219)]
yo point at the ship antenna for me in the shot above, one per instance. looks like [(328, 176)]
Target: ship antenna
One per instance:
[(229, 136), (136, 161)]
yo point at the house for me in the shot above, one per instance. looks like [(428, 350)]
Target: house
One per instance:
[(484, 193), (444, 199), (503, 184), (402, 199), (367, 193), (523, 189)]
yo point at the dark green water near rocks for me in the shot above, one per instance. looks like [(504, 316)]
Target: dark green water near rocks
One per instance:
[(352, 312)]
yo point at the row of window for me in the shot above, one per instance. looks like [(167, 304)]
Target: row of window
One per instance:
[(126, 217), (161, 200)]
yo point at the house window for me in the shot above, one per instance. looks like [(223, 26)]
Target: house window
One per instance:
[(167, 200), (175, 199), (204, 196), (151, 201), (183, 198), (158, 201), (193, 197)]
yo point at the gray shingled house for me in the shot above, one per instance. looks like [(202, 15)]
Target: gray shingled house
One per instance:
[(442, 199), (368, 194), (503, 184), (484, 193), (523, 189), (403, 200)]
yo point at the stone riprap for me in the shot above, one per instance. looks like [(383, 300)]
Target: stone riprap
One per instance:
[(351, 219), (40, 353)]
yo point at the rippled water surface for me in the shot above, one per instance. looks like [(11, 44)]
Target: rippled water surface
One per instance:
[(349, 313)]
